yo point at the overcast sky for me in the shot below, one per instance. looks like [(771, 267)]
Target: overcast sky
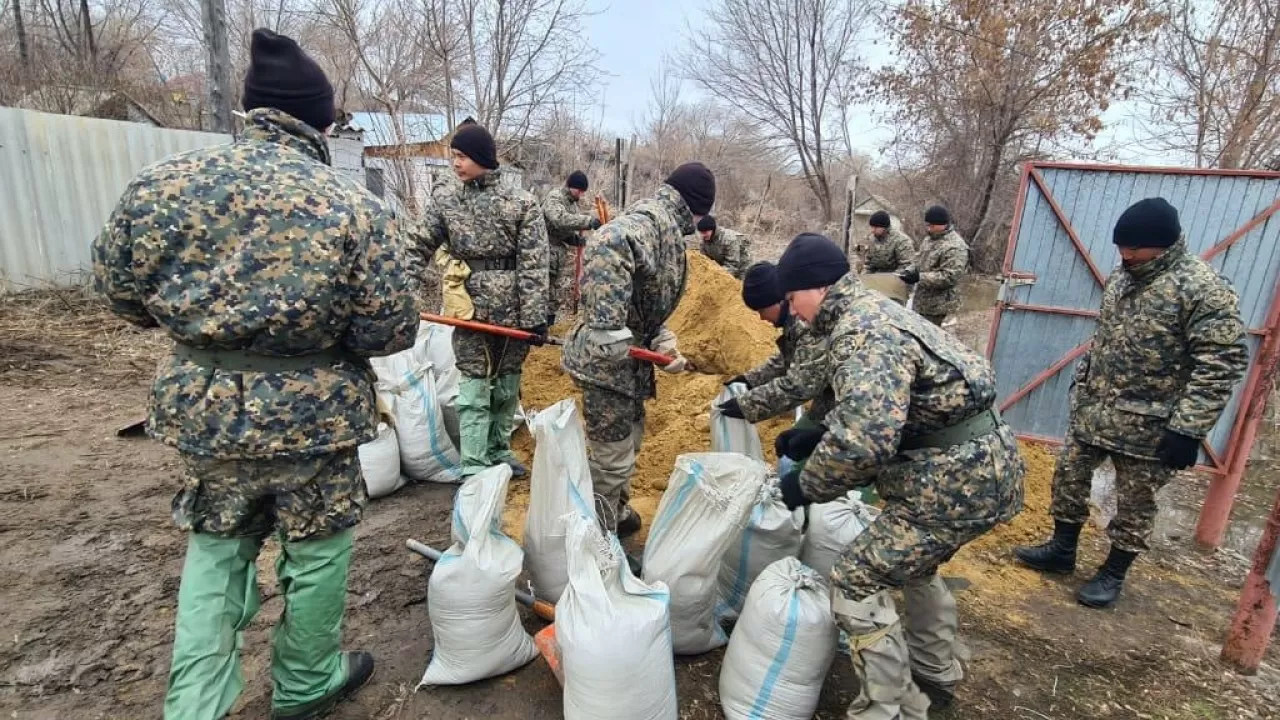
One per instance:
[(634, 36)]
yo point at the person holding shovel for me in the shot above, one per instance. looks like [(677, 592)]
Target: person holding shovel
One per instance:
[(493, 249)]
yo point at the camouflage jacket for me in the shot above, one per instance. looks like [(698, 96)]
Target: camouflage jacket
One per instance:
[(794, 375), (730, 249), (942, 261), (633, 275), (259, 246), (564, 217), (888, 254), (1167, 353), (486, 220), (896, 376)]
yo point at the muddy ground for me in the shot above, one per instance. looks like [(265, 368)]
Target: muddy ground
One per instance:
[(91, 568)]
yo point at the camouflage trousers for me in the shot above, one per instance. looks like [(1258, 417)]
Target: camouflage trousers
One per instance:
[(561, 265), (615, 429), (481, 355), (302, 498), (896, 552), (1136, 484)]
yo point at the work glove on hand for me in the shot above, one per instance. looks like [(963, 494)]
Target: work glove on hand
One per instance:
[(731, 408), (679, 365), (540, 331), (1177, 451), (799, 443), (910, 276), (595, 223), (737, 379), (792, 495), (665, 342)]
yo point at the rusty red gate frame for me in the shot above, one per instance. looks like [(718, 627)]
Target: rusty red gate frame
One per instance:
[(1256, 615)]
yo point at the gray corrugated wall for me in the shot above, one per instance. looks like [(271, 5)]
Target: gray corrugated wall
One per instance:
[(1211, 208)]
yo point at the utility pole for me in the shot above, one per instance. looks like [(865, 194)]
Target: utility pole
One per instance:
[(217, 62), (24, 53)]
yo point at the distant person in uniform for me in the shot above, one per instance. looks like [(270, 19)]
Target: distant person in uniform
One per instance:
[(942, 261), (886, 249), (566, 222), (1166, 356), (277, 277), (729, 249)]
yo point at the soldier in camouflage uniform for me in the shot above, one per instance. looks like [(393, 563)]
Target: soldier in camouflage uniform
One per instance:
[(729, 249), (914, 415), (943, 260), (634, 272), (277, 277), (566, 221), (1166, 355), (886, 249), (498, 231)]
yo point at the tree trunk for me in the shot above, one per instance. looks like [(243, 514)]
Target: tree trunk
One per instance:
[(24, 53), (87, 29), (990, 177), (217, 62)]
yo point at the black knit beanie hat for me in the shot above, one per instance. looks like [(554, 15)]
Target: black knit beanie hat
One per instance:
[(577, 180), (283, 77), (476, 143), (707, 224), (1149, 223), (696, 184), (811, 261), (760, 286), (937, 215), (879, 218)]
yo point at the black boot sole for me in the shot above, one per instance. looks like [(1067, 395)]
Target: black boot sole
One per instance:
[(345, 694), (1051, 569), (1096, 605)]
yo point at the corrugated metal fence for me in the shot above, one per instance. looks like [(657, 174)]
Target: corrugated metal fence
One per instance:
[(60, 177)]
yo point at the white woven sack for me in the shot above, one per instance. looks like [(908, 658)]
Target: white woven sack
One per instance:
[(781, 648), (702, 512), (426, 451), (733, 434), (471, 595), (614, 633), (561, 485), (832, 526), (773, 532), (380, 463), (435, 346)]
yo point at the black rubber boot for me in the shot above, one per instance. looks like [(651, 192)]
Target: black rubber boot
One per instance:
[(518, 470), (1104, 589), (359, 670), (629, 525), (1056, 556), (940, 694)]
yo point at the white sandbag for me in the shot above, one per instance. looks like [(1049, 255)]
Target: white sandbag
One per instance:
[(732, 434), (560, 485), (426, 451), (773, 532), (614, 633), (702, 513), (380, 463), (435, 346), (471, 594), (1102, 494), (781, 648), (832, 526)]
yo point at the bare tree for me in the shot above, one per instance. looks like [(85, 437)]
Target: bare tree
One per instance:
[(1214, 95), (24, 53), (785, 64), (218, 64), (442, 39)]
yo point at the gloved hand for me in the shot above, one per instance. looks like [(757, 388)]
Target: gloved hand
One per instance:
[(665, 342), (731, 408), (595, 223), (1177, 451), (540, 331), (792, 495), (799, 443), (910, 276), (737, 379), (679, 365)]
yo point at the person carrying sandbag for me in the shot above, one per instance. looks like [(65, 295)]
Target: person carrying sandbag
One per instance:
[(914, 413), (494, 271), (277, 278)]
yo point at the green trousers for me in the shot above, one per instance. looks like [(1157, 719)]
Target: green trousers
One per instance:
[(218, 599), (486, 418)]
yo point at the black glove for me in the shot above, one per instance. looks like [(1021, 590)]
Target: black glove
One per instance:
[(731, 408), (737, 379), (551, 320), (1177, 451), (575, 240), (799, 443), (792, 495), (540, 333), (595, 223), (910, 276)]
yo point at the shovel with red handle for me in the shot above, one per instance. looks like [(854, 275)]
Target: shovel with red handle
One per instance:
[(638, 353)]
